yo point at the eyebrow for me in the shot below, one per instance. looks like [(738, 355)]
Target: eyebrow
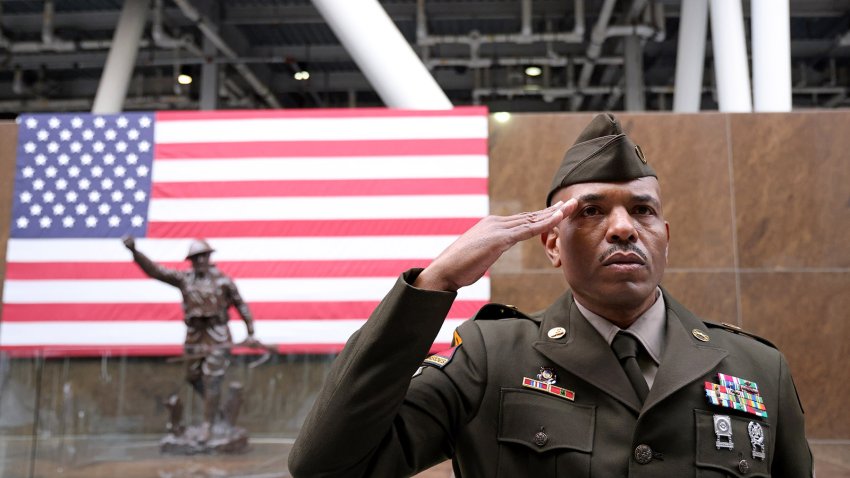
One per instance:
[(593, 197), (645, 198)]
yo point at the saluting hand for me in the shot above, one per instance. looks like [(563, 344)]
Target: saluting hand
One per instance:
[(468, 258)]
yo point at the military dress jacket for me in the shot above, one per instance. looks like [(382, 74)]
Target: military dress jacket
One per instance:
[(382, 414)]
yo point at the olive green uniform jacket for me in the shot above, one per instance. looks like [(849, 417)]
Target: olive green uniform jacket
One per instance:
[(373, 419)]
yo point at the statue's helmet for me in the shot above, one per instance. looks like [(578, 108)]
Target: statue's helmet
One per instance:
[(199, 246)]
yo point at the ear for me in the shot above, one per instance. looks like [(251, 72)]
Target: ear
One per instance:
[(667, 249), (552, 244)]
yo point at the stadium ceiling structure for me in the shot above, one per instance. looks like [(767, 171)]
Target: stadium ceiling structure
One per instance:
[(510, 55)]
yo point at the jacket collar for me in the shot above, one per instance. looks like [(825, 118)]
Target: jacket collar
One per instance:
[(584, 353)]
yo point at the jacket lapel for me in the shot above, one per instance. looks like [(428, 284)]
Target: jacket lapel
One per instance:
[(685, 358), (583, 352)]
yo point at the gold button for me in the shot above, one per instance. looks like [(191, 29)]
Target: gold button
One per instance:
[(557, 332), (700, 335)]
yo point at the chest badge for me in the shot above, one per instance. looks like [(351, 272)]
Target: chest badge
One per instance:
[(545, 382), (547, 375), (737, 394), (757, 439)]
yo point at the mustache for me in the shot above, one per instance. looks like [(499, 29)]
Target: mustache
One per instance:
[(622, 247)]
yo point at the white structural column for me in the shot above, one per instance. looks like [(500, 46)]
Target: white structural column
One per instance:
[(690, 56), (121, 60), (730, 56), (382, 54), (771, 37)]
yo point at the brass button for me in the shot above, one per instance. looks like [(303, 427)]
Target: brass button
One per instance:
[(557, 332), (743, 467), (541, 438), (643, 454)]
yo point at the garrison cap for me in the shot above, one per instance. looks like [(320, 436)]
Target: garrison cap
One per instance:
[(601, 153)]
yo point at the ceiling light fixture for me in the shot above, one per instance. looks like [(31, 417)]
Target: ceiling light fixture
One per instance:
[(533, 71)]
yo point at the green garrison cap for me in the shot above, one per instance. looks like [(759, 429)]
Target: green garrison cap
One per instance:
[(602, 153)]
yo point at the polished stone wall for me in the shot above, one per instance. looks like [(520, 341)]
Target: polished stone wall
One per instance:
[(759, 212)]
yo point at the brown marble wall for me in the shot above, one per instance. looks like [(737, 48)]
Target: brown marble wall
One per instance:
[(759, 212)]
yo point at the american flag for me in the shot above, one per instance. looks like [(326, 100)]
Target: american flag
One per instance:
[(314, 214)]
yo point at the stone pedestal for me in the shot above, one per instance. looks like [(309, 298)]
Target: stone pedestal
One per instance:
[(224, 439)]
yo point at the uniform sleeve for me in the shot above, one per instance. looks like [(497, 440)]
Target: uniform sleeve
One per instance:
[(239, 304), (792, 456), (369, 419)]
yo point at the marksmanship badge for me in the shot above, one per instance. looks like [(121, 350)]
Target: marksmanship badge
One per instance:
[(723, 432)]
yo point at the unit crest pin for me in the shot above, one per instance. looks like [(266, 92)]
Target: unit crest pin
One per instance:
[(547, 375)]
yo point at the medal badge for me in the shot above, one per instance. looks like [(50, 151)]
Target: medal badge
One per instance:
[(757, 440), (737, 394), (723, 432), (545, 382)]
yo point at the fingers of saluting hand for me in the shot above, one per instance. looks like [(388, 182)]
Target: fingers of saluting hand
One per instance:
[(526, 225)]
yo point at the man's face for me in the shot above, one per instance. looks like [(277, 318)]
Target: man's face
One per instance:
[(201, 263), (613, 247)]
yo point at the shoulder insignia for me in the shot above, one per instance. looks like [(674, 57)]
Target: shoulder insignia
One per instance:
[(738, 330), (494, 311), (441, 359)]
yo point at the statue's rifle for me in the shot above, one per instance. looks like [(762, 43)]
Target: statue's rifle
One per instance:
[(206, 350)]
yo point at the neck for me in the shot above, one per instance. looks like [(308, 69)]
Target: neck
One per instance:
[(622, 317)]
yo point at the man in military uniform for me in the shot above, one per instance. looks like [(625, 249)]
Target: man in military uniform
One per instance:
[(614, 379), (207, 296)]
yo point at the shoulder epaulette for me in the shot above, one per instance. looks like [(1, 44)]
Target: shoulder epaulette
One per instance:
[(737, 330), (494, 311)]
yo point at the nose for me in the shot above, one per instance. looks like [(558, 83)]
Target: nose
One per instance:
[(620, 227)]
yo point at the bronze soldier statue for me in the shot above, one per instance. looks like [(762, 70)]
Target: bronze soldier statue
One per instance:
[(207, 296)]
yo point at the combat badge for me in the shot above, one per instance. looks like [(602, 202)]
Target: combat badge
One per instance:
[(757, 439), (737, 394), (723, 432)]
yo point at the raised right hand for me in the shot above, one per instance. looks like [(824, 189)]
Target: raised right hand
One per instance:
[(129, 242), (468, 258)]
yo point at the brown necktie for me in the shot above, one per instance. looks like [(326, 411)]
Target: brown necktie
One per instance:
[(626, 348)]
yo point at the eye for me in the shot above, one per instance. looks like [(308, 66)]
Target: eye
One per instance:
[(590, 211), (643, 210)]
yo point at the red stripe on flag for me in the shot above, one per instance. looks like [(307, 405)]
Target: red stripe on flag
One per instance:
[(24, 351), (461, 309), (309, 228), (315, 149), (236, 269), (365, 187), (318, 113)]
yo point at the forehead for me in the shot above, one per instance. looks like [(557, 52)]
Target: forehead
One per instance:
[(646, 186)]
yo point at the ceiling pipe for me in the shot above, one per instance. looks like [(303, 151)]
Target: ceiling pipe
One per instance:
[(730, 56), (382, 54), (690, 56), (771, 46), (576, 35), (210, 32), (118, 70), (597, 37)]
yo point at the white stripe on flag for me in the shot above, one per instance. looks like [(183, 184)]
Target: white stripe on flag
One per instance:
[(318, 208), (320, 129), (280, 332), (326, 169), (231, 249), (252, 290)]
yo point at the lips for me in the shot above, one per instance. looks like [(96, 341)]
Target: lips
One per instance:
[(623, 258)]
